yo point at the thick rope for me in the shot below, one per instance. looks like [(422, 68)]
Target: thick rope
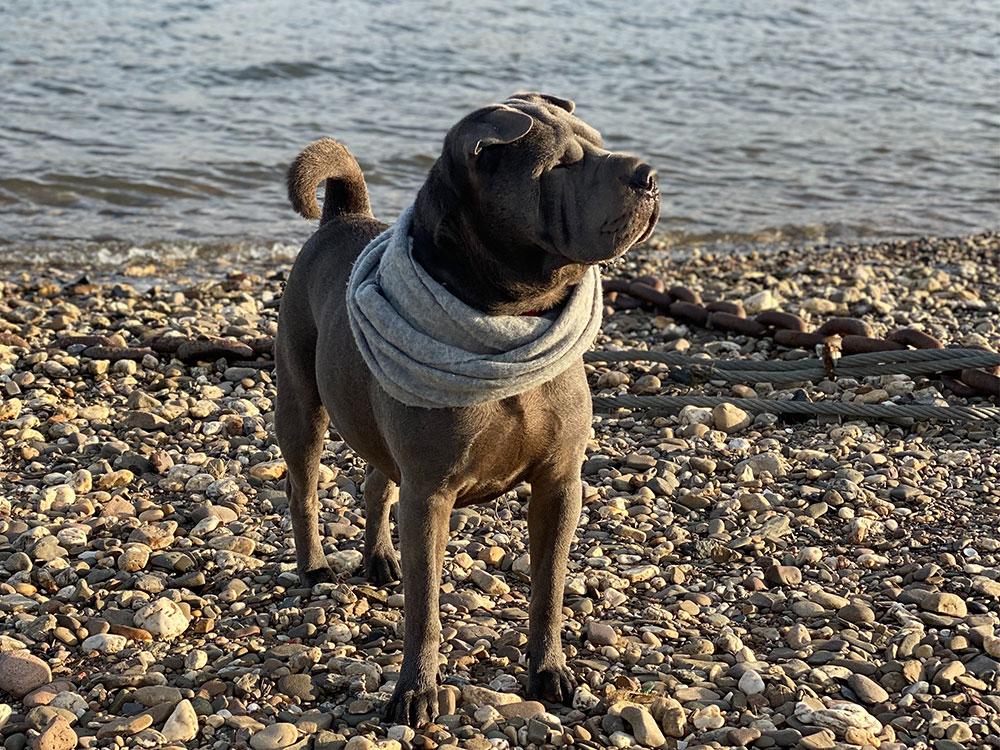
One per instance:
[(671, 404), (819, 373), (903, 362)]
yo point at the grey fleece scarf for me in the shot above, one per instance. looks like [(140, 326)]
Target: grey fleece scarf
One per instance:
[(428, 348)]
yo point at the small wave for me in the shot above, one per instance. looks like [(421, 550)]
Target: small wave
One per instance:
[(60, 190), (275, 70), (110, 256)]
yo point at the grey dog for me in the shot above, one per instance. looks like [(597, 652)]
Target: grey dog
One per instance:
[(521, 201)]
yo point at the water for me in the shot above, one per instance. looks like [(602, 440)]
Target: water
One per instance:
[(172, 123)]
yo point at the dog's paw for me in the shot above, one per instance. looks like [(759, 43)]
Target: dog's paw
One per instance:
[(552, 684), (413, 705), (310, 578), (383, 567)]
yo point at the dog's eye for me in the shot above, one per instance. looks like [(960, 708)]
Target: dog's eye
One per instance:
[(565, 163)]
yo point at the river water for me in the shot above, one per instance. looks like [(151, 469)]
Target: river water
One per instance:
[(170, 124)]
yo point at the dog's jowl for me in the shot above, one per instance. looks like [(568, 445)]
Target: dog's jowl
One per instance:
[(446, 349)]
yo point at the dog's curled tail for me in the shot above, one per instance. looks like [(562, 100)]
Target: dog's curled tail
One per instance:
[(345, 191)]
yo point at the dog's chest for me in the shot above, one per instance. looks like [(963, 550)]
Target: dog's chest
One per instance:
[(516, 440)]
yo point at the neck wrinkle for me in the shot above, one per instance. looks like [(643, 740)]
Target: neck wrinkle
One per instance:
[(493, 289)]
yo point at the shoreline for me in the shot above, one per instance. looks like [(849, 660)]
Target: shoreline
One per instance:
[(727, 588), (114, 255)]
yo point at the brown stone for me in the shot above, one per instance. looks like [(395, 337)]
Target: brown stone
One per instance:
[(44, 695), (21, 672), (58, 735), (944, 604), (135, 634), (125, 727)]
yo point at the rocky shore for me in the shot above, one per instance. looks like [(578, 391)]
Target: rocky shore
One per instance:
[(736, 581)]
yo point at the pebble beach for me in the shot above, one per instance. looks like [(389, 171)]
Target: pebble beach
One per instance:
[(736, 581)]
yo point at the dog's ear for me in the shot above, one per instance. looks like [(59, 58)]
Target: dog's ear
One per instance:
[(533, 96), (493, 126)]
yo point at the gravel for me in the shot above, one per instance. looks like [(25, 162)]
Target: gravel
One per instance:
[(735, 581)]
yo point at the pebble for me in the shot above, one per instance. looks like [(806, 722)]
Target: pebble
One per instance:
[(857, 613), (584, 700), (274, 737), (708, 717), (476, 695), (182, 724), (841, 717), (944, 604), (783, 575), (751, 683), (673, 718), (163, 618), (491, 584), (869, 691), (729, 418), (105, 643), (644, 728), (521, 710), (798, 636), (57, 735), (126, 726), (601, 634), (21, 672)]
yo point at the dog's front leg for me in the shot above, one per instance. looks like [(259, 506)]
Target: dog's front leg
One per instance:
[(423, 523), (553, 515)]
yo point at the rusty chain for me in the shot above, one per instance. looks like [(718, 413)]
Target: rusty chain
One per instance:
[(836, 336)]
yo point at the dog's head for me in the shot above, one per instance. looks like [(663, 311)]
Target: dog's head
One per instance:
[(531, 175)]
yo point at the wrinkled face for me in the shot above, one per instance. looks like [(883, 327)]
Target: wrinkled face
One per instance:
[(540, 177)]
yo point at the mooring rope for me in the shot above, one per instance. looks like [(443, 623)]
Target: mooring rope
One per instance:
[(672, 404), (903, 362)]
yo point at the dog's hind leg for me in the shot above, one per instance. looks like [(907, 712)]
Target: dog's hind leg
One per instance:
[(381, 561), (300, 423)]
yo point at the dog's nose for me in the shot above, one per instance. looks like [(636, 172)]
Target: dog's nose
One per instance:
[(644, 179)]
